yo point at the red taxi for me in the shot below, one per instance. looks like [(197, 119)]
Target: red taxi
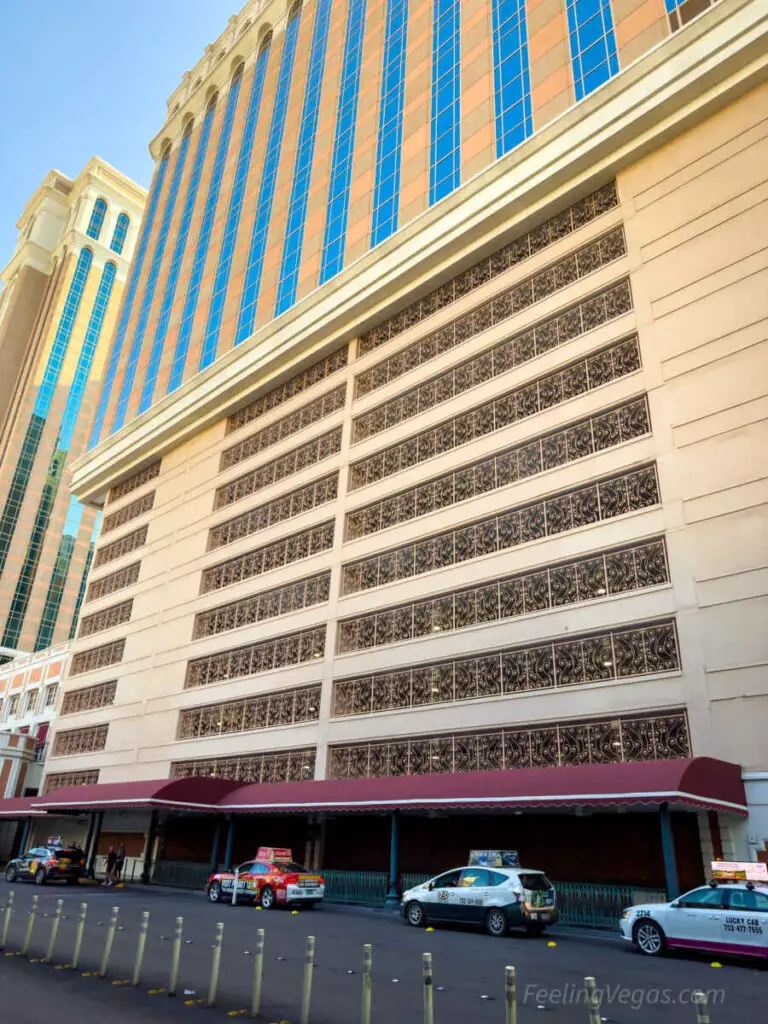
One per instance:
[(270, 880)]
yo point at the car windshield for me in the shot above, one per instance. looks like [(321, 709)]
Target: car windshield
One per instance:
[(535, 881)]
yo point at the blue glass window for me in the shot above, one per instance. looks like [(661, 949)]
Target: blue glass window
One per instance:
[(445, 132), (511, 75), (96, 222), (305, 152), (164, 317), (386, 193), (204, 236), (232, 224), (58, 580), (252, 282), (34, 432), (593, 44), (84, 577), (128, 300), (149, 288), (119, 234), (337, 213)]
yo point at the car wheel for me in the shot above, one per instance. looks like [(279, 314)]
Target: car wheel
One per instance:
[(40, 876), (496, 922), (267, 898), (649, 938), (533, 928), (414, 914), (11, 873), (214, 893)]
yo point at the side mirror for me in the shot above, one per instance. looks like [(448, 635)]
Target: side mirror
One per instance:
[(675, 905), (431, 886)]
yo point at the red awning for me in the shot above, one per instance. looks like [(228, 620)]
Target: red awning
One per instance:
[(191, 794), (19, 807), (696, 782)]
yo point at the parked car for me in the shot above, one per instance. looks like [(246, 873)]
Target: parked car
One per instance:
[(47, 864), (496, 898), (267, 883), (716, 918)]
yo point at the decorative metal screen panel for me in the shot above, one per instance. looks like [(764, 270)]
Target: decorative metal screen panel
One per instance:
[(551, 231), (97, 657), (134, 482), (106, 619), (107, 585), (573, 441), (278, 431), (89, 697), (253, 659), (294, 461), (297, 385), (303, 499), (128, 512), (640, 650), (267, 711), (584, 579), (594, 502), (80, 741), (595, 741), (124, 546), (269, 604), (514, 406), (58, 780), (284, 766)]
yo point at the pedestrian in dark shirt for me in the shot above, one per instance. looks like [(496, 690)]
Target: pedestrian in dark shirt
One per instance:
[(119, 862), (111, 860)]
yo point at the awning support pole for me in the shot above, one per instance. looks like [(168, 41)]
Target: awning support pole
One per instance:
[(215, 848), (668, 850), (393, 897), (146, 871), (230, 842), (89, 835), (99, 821), (25, 836)]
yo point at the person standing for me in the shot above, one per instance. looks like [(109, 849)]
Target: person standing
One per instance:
[(110, 861), (119, 862)]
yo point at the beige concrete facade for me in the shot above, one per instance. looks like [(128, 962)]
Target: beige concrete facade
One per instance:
[(521, 521)]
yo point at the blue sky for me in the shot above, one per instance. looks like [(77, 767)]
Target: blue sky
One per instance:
[(89, 79)]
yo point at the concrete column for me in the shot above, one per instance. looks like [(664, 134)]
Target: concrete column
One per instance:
[(668, 850)]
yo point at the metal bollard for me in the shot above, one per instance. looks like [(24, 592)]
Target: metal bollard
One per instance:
[(7, 921), (592, 1002), (309, 966), (429, 1010), (702, 1007), (141, 945), (176, 956), (54, 932), (367, 983), (79, 935), (510, 994), (234, 888), (30, 926), (258, 971), (108, 944), (213, 988)]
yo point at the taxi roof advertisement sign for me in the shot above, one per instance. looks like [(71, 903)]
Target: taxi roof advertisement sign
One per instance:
[(739, 871), (274, 854), (494, 858)]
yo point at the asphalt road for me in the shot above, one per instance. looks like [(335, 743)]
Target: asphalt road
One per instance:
[(468, 968)]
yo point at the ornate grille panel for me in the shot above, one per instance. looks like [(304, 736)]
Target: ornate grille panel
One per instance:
[(320, 492), (89, 697), (615, 654), (291, 597), (97, 657), (511, 407), (596, 741), (80, 741), (276, 432), (549, 586), (578, 319), (557, 227), (268, 711), (134, 482), (297, 385), (291, 649), (285, 766), (124, 577), (569, 443), (314, 451), (106, 619), (271, 556), (566, 510), (123, 546), (128, 512), (61, 779), (493, 362)]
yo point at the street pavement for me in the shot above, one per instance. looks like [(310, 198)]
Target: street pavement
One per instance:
[(468, 967)]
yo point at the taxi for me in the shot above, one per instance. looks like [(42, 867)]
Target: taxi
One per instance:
[(51, 863), (487, 893), (729, 916), (272, 879)]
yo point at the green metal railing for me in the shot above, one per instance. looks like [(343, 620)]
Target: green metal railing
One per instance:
[(364, 888)]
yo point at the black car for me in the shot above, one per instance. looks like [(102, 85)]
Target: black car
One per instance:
[(47, 864)]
